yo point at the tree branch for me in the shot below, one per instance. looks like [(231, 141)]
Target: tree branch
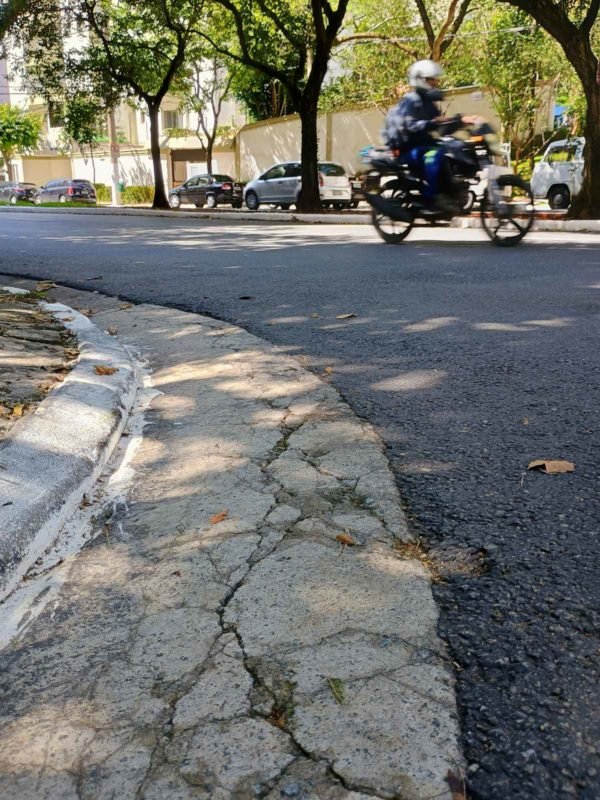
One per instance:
[(429, 32)]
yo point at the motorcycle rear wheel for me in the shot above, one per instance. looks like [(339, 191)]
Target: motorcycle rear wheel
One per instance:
[(393, 231), (508, 221)]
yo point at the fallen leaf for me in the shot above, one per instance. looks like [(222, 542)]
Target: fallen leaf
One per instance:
[(85, 502), (345, 539), (336, 685), (525, 420), (552, 467), (345, 316), (87, 312), (216, 518), (328, 370), (177, 573), (67, 319), (112, 330), (43, 286), (71, 352), (456, 785), (100, 369), (277, 717), (125, 306), (17, 411)]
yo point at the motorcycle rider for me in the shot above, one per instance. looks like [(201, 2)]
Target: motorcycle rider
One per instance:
[(413, 127)]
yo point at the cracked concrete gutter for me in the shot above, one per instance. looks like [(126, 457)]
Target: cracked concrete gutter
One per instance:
[(216, 640), (54, 456)]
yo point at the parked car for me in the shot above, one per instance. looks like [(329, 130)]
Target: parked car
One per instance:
[(210, 190), (281, 186), (64, 190), (559, 174), (11, 191)]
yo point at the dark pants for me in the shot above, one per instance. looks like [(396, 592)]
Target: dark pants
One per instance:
[(427, 162)]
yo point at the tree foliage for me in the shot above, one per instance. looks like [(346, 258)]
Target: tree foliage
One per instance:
[(290, 42), (19, 132)]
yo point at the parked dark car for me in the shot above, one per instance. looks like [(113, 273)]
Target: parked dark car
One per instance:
[(209, 190), (11, 191), (65, 190)]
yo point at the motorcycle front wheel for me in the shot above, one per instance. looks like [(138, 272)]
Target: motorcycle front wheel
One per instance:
[(507, 211), (393, 231)]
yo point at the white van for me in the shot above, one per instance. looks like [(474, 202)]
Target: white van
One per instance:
[(558, 176)]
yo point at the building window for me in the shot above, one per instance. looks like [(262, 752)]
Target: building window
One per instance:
[(56, 115), (171, 119)]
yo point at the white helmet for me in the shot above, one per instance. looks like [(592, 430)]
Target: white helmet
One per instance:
[(421, 71)]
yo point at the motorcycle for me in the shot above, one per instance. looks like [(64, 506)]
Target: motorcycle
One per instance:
[(506, 206)]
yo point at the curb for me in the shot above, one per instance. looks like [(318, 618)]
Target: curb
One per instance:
[(47, 463), (541, 224)]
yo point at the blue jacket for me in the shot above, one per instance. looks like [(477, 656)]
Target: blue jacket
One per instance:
[(410, 123)]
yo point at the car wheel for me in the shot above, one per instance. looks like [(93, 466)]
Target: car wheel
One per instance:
[(284, 206), (211, 201), (353, 204), (559, 197), (62, 199), (325, 205), (236, 204), (174, 201), (252, 201), (12, 200), (339, 206)]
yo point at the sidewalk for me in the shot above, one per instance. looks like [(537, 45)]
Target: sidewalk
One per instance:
[(545, 221), (242, 622)]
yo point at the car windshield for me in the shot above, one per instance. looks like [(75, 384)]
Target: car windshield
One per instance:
[(333, 170), (223, 178)]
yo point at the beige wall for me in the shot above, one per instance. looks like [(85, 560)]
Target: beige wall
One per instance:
[(263, 144), (343, 134), (42, 170)]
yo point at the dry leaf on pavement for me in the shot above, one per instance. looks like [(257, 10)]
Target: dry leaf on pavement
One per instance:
[(345, 539), (328, 370), (336, 686), (552, 467), (457, 786), (216, 518), (43, 286), (112, 329), (100, 369), (125, 306), (17, 411), (345, 316), (87, 312)]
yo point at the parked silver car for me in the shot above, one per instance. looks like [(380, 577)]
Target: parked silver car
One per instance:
[(281, 185)]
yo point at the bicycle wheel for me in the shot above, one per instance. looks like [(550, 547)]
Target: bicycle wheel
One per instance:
[(393, 231), (507, 210)]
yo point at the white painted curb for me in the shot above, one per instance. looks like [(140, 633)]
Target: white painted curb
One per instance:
[(50, 459)]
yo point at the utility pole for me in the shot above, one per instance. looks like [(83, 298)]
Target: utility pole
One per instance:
[(114, 157)]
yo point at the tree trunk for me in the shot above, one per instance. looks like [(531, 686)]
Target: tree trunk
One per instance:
[(209, 154), (310, 199), (160, 196), (9, 166), (586, 205), (93, 164)]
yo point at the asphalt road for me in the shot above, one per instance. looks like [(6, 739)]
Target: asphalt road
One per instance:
[(470, 361)]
